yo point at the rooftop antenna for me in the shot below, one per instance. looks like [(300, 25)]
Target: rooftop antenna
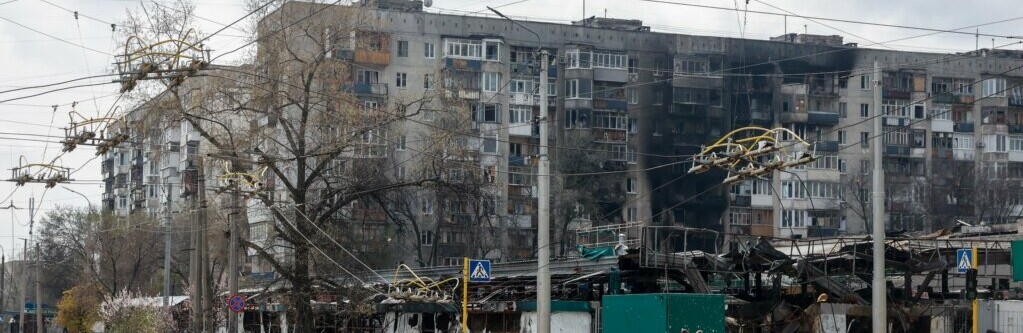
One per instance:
[(584, 9)]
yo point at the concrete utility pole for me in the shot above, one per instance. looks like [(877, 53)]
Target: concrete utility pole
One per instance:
[(39, 291), (543, 179), (38, 261), (234, 319), (3, 277), (167, 248), (24, 282), (878, 302), (198, 259), (204, 253), (543, 273)]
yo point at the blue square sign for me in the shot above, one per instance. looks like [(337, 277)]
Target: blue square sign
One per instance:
[(964, 260), (479, 270)]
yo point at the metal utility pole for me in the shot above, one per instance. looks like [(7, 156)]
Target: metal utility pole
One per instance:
[(879, 290), (234, 319), (167, 248), (543, 274)]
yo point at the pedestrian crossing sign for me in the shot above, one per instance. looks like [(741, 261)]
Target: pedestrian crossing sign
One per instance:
[(964, 260), (479, 270)]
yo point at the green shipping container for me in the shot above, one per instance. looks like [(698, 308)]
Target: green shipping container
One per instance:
[(1017, 260), (663, 313)]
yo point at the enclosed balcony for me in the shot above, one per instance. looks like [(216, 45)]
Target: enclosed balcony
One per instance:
[(894, 150), (370, 88), (609, 135), (367, 57), (952, 98), (822, 118), (963, 127), (609, 104), (464, 64), (826, 146)]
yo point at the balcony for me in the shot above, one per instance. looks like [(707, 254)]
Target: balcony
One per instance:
[(609, 104), (762, 118), (763, 230), (822, 118), (522, 99), (819, 231), (688, 110), (464, 64), (758, 116), (1015, 100), (609, 135), (471, 94), (108, 167), (514, 160), (951, 98), (826, 146), (896, 94), (741, 200), (942, 153), (963, 154), (821, 89), (690, 139), (963, 127), (896, 150), (896, 121), (372, 57), (1015, 129), (611, 74), (370, 88)]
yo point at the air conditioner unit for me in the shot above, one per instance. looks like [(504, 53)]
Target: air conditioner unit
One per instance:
[(980, 144)]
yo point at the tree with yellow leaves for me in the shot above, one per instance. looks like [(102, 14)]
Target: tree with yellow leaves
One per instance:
[(78, 308)]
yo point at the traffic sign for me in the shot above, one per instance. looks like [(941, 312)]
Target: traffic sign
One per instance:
[(236, 303), (479, 270), (964, 260)]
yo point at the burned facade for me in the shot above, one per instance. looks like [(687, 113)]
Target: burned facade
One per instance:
[(629, 107)]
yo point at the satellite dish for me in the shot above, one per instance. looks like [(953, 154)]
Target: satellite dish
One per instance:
[(427, 3)]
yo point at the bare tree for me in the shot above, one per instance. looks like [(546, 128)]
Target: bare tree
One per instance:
[(321, 162), (589, 191), (118, 253)]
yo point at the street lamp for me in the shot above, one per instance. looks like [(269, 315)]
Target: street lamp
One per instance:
[(543, 257), (91, 207)]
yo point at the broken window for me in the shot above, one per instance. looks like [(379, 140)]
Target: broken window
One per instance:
[(487, 113), (919, 139), (493, 49)]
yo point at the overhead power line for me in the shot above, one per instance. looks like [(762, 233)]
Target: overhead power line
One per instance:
[(835, 19), (77, 14), (54, 37)]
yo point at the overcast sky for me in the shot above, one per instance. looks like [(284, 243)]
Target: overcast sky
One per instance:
[(31, 58)]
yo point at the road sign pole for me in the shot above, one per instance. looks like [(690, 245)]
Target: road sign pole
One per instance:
[(465, 295), (976, 312)]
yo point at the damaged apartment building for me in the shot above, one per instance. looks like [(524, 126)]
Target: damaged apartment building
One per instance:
[(628, 107)]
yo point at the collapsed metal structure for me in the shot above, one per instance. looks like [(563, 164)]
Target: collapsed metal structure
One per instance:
[(772, 285)]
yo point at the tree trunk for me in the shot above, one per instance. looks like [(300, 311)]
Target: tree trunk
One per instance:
[(301, 294)]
